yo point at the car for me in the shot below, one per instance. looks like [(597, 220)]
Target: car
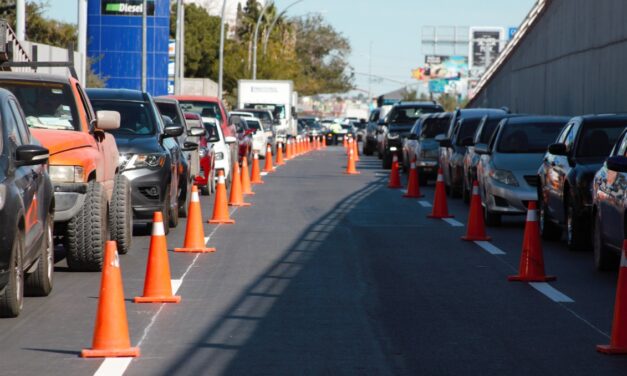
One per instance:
[(566, 176), (205, 179), (335, 134), (265, 116), (261, 137), (150, 156), (221, 148), (397, 124), (421, 145), (508, 164), (483, 134), (464, 123), (188, 142), (370, 140), (360, 129), (26, 211), (243, 135), (92, 199)]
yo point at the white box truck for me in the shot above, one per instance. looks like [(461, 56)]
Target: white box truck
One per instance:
[(272, 95)]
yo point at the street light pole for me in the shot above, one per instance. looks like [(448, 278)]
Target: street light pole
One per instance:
[(221, 60), (267, 36), (178, 52), (144, 45), (263, 12)]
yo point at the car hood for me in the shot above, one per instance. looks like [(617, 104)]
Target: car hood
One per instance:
[(141, 144), (58, 141), (517, 162)]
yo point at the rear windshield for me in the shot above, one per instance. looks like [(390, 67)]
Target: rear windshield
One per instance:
[(278, 110), (467, 129), (46, 105), (432, 127), (135, 117), (254, 125), (212, 131), (528, 138), (488, 130), (169, 110), (410, 114), (205, 109), (597, 139)]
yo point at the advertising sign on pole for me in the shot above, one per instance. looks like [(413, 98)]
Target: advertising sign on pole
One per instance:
[(451, 67), (126, 7), (484, 46)]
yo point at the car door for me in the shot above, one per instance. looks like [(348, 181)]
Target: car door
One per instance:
[(612, 204), (560, 167)]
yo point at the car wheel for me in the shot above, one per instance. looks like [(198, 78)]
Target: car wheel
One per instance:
[(490, 218), (386, 161), (184, 204), (87, 232), (12, 297), (465, 192), (212, 182), (575, 233), (548, 229), (39, 282), (121, 214), (604, 258), (165, 211), (173, 218)]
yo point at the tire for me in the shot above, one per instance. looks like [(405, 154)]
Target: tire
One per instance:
[(87, 232), (386, 161), (548, 229), (183, 205), (39, 282), (422, 178), (575, 232), (491, 219), (604, 258), (121, 214), (465, 192), (173, 218), (212, 182), (12, 298)]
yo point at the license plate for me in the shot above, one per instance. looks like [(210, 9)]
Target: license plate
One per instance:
[(340, 138)]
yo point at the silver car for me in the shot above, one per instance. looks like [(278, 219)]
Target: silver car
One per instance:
[(508, 168)]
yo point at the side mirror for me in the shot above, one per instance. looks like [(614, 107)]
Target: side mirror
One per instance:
[(108, 120), (445, 143), (617, 163), (167, 121), (172, 130), (28, 155), (196, 132), (189, 146), (467, 141), (230, 139), (482, 149), (558, 149)]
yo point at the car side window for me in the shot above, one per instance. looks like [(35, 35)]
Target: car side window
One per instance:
[(622, 145), (13, 135), (562, 137), (22, 128), (91, 116), (570, 138)]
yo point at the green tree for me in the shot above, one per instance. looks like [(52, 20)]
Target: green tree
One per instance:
[(39, 28)]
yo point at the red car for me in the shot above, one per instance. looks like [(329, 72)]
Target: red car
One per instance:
[(206, 179)]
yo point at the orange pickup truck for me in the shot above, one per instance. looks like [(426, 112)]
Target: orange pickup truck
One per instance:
[(92, 201)]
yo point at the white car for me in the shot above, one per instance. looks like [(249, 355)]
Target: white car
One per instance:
[(220, 147), (261, 137)]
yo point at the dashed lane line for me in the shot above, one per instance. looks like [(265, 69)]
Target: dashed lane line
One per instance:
[(490, 248), (551, 292), (453, 222), (425, 204)]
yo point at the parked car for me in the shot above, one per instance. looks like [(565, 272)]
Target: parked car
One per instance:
[(421, 144), (397, 124), (243, 135), (370, 140), (150, 156), (567, 172), (261, 137), (508, 164), (205, 180), (360, 129), (453, 145), (91, 198), (26, 212), (335, 134), (265, 116), (221, 148)]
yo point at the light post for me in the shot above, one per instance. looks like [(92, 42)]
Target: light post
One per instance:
[(144, 84), (263, 12), (221, 59), (267, 36)]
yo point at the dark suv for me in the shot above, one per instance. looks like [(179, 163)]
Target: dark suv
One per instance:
[(397, 125), (26, 212), (150, 156)]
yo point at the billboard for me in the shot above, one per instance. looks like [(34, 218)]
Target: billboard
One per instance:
[(485, 45), (126, 7), (449, 67)]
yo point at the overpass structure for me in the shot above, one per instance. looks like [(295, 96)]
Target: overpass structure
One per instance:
[(568, 58)]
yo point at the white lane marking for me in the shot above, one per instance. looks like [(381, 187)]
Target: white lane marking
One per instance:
[(117, 366), (425, 204), (551, 292), (490, 248), (263, 173), (207, 239), (453, 222)]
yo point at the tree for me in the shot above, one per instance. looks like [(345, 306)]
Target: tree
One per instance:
[(40, 29)]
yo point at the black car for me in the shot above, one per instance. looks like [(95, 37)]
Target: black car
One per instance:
[(150, 156), (370, 139), (26, 212), (453, 145), (397, 125), (567, 172)]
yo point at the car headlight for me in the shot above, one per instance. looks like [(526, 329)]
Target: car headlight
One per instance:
[(219, 156), (66, 174), (145, 161), (505, 177)]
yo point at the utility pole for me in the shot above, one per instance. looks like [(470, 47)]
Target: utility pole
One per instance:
[(144, 83), (20, 20), (221, 62), (179, 47), (82, 38), (263, 12)]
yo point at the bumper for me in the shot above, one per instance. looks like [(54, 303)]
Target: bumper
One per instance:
[(429, 167), (507, 199), (147, 191), (68, 200)]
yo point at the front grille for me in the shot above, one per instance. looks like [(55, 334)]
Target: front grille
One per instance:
[(532, 180), (500, 201)]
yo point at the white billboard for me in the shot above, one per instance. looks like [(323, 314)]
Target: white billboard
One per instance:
[(485, 44)]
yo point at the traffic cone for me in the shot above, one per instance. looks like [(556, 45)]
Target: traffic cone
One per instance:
[(395, 177), (268, 168), (344, 142), (413, 183), (531, 260), (356, 150), (618, 340), (237, 197), (158, 285), (221, 207), (350, 167), (475, 230), (246, 188), (279, 154), (111, 338), (194, 231), (256, 174), (440, 207), (324, 142)]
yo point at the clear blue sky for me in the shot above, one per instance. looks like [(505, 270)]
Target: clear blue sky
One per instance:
[(393, 27)]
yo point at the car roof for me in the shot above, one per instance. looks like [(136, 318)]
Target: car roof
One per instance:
[(421, 104), (162, 99), (198, 98), (531, 119), (28, 76), (603, 117), (117, 94)]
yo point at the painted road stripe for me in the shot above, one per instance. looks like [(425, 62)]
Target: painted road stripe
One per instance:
[(453, 222), (176, 284), (263, 173), (425, 204), (113, 366), (490, 248), (551, 292)]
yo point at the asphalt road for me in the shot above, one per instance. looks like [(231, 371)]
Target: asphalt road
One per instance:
[(333, 274)]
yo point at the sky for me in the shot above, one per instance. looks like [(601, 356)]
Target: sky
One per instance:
[(392, 28)]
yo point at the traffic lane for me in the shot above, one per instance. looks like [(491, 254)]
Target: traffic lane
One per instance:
[(50, 332), (281, 295), (440, 296)]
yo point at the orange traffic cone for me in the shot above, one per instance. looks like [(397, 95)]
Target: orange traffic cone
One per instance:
[(158, 285), (111, 338), (413, 184), (237, 197), (618, 340), (395, 177), (475, 230), (440, 207), (324, 142), (194, 231), (221, 207), (268, 168), (356, 150), (350, 167), (246, 188), (344, 142), (256, 174), (531, 260), (279, 154)]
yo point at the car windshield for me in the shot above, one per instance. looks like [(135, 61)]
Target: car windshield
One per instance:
[(347, 126), (212, 130), (488, 130), (407, 114), (205, 109), (252, 124), (135, 117), (46, 105), (597, 139), (467, 129), (432, 127), (528, 137), (278, 110)]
